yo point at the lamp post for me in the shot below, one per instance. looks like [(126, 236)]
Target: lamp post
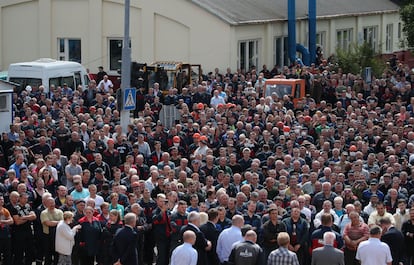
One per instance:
[(125, 68)]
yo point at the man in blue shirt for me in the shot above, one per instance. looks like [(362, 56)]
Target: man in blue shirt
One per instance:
[(185, 254)]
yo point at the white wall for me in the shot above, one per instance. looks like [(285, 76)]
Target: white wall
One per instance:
[(19, 32), (159, 29)]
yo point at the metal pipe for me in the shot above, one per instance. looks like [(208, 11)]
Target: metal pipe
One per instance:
[(312, 30), (126, 67), (292, 30)]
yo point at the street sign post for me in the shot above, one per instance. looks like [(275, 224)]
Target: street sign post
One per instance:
[(126, 72)]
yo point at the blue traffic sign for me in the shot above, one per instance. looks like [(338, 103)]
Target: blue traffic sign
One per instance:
[(130, 98)]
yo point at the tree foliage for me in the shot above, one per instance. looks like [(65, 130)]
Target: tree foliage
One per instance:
[(407, 17), (358, 57)]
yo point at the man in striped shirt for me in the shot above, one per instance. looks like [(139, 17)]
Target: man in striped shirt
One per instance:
[(282, 256)]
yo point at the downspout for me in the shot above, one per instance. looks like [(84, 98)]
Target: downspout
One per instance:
[(312, 30), (292, 30)]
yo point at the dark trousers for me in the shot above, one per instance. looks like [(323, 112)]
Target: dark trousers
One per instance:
[(87, 260), (39, 238), (22, 248), (149, 245), (75, 255), (349, 257), (163, 251), (140, 248), (302, 256), (51, 256), (5, 250)]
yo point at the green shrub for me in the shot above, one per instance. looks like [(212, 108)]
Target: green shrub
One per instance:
[(358, 57)]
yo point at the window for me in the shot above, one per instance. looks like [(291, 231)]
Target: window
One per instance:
[(344, 38), (399, 30), (69, 50), (248, 54), (78, 80), (23, 82), (388, 37), (59, 81), (115, 54), (321, 39), (4, 103), (280, 47), (279, 89), (371, 36)]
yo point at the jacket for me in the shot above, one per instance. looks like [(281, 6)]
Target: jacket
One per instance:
[(246, 253), (65, 238)]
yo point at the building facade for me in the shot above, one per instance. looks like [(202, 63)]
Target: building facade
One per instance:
[(213, 33)]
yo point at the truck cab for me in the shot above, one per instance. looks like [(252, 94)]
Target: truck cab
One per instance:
[(179, 74), (295, 88)]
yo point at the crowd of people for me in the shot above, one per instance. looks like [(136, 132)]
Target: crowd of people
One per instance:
[(240, 178)]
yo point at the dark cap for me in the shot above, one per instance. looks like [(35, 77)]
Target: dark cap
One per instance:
[(272, 208), (99, 170), (373, 181), (79, 201), (277, 198)]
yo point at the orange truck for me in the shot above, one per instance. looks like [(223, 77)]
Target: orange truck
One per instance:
[(295, 88)]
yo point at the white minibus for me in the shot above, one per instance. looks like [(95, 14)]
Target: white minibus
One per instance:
[(48, 72)]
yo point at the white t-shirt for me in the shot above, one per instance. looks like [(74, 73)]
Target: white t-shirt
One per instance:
[(98, 201), (105, 86)]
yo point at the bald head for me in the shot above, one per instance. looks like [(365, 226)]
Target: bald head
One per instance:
[(130, 219), (237, 220), (189, 237), (251, 236)]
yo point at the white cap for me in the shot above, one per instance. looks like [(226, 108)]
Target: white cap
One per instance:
[(28, 88)]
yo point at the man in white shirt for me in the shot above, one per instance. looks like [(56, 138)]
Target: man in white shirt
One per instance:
[(327, 208), (228, 237), (373, 251), (216, 99), (380, 212), (105, 85), (371, 207), (185, 254)]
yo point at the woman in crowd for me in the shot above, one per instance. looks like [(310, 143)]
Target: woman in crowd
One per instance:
[(114, 205), (65, 238), (90, 235), (104, 216), (50, 184), (109, 230)]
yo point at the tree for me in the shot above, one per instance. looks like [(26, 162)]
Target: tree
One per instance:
[(358, 57), (407, 17)]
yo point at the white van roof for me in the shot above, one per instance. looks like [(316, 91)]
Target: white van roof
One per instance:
[(47, 63)]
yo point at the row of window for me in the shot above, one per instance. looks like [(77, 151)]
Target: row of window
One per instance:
[(249, 53), (70, 50), (248, 50)]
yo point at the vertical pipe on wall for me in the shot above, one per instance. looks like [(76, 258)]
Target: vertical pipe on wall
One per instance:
[(312, 29), (292, 30)]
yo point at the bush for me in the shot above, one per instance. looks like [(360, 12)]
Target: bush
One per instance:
[(358, 57)]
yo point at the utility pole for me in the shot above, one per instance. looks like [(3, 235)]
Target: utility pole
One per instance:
[(126, 68)]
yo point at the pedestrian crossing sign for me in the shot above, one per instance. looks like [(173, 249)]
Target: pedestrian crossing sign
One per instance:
[(130, 98)]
